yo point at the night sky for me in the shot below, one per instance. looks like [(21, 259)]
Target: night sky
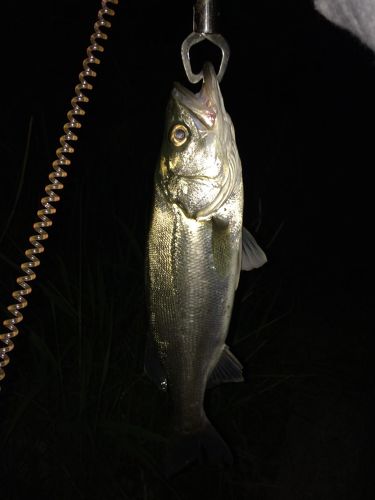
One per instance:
[(301, 96)]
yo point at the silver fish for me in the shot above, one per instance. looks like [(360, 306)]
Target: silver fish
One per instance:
[(194, 258)]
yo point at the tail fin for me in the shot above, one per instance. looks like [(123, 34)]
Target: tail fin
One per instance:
[(204, 447)]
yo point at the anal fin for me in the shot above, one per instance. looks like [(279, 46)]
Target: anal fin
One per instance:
[(228, 369)]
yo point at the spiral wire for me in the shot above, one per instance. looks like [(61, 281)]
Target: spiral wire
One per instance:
[(55, 184)]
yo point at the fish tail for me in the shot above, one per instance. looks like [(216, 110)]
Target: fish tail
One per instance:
[(205, 446)]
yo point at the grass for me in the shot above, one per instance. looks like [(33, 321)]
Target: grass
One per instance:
[(20, 182), (79, 419), (85, 419)]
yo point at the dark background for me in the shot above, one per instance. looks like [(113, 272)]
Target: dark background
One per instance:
[(78, 417)]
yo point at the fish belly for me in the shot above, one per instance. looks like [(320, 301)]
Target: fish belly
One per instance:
[(190, 303)]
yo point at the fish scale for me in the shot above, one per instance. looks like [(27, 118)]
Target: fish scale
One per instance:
[(194, 260), (188, 300)]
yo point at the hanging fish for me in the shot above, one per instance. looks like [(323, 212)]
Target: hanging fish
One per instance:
[(196, 249)]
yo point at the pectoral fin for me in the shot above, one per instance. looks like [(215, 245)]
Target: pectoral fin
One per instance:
[(228, 369), (153, 367), (252, 255)]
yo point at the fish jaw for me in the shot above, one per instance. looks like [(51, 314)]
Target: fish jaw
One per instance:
[(207, 105)]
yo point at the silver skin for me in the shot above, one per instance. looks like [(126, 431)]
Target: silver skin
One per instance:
[(194, 246)]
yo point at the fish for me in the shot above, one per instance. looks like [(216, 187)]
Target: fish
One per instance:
[(196, 249)]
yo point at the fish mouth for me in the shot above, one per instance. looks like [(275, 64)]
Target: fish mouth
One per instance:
[(205, 104)]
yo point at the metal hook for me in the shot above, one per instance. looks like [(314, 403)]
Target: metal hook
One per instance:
[(204, 27)]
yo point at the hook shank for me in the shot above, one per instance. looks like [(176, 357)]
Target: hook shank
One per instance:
[(205, 27), (205, 16)]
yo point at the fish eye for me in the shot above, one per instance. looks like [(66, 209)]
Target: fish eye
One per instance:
[(179, 134)]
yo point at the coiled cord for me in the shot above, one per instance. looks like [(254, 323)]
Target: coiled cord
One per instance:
[(55, 184)]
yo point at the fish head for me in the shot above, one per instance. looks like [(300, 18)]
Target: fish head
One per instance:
[(199, 161)]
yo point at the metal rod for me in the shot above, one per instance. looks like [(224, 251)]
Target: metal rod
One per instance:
[(205, 16)]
